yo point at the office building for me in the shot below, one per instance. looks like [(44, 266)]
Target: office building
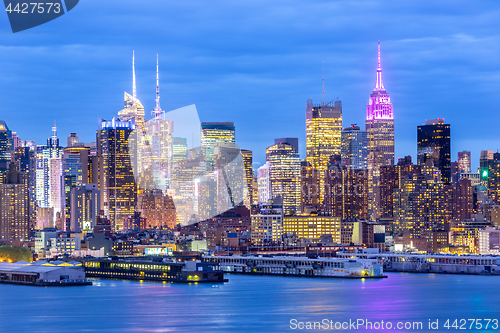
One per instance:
[(180, 150), (267, 225), (158, 209), (380, 131), (14, 205), (346, 193), (6, 146), (248, 189), (264, 183), (354, 150), (116, 176), (312, 227), (433, 143), (323, 136), (213, 135), (284, 175), (464, 161), (73, 140), (309, 188), (85, 205)]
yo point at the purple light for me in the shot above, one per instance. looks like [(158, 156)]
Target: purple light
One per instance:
[(379, 105)]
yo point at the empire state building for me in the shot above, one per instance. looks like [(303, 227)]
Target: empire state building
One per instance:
[(380, 122), (380, 130)]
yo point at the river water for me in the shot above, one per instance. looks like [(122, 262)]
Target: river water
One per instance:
[(254, 304)]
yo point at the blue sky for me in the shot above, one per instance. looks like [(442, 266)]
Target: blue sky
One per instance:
[(256, 62)]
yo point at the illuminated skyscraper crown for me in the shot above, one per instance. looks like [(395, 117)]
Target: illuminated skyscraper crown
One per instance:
[(379, 105)]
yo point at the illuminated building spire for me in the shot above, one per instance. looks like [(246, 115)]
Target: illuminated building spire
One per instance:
[(54, 132), (379, 85), (134, 89), (157, 112), (157, 85)]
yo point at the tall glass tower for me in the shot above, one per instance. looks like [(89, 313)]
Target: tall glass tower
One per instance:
[(5, 145), (116, 176), (323, 136)]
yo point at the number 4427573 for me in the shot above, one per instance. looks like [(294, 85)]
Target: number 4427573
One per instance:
[(472, 324), (34, 7)]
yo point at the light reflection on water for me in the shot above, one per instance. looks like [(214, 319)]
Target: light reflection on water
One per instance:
[(245, 303)]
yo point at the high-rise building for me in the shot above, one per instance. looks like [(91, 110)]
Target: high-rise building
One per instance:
[(323, 136), (16, 142), (309, 188), (420, 203), (380, 120), (354, 149), (25, 160), (380, 131), (72, 140), (213, 135), (50, 178), (391, 177), (14, 205), (464, 161), (6, 146), (116, 176), (433, 143), (346, 193), (291, 141), (180, 150), (133, 106), (267, 225), (157, 209), (284, 175), (248, 189), (264, 183), (158, 154), (85, 207)]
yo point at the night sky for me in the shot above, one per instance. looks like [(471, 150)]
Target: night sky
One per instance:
[(255, 63)]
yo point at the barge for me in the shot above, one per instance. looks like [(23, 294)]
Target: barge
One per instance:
[(299, 266), (142, 269)]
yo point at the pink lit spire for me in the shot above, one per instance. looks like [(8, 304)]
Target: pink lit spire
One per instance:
[(379, 105), (379, 85)]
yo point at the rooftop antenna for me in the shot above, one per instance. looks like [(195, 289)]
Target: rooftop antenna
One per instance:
[(157, 85), (134, 89), (323, 82)]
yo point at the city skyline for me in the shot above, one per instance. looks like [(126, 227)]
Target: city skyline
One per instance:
[(441, 62)]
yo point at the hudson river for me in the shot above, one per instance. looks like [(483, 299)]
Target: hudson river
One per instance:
[(253, 304)]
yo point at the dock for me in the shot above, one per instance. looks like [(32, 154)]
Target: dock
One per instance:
[(299, 266)]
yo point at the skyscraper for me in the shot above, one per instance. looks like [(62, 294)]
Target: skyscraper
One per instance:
[(158, 153), (14, 205), (72, 140), (180, 149), (116, 176), (263, 183), (354, 149), (380, 121), (247, 161), (380, 128), (213, 135), (6, 146), (50, 177), (464, 161), (433, 143), (323, 136), (284, 175)]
